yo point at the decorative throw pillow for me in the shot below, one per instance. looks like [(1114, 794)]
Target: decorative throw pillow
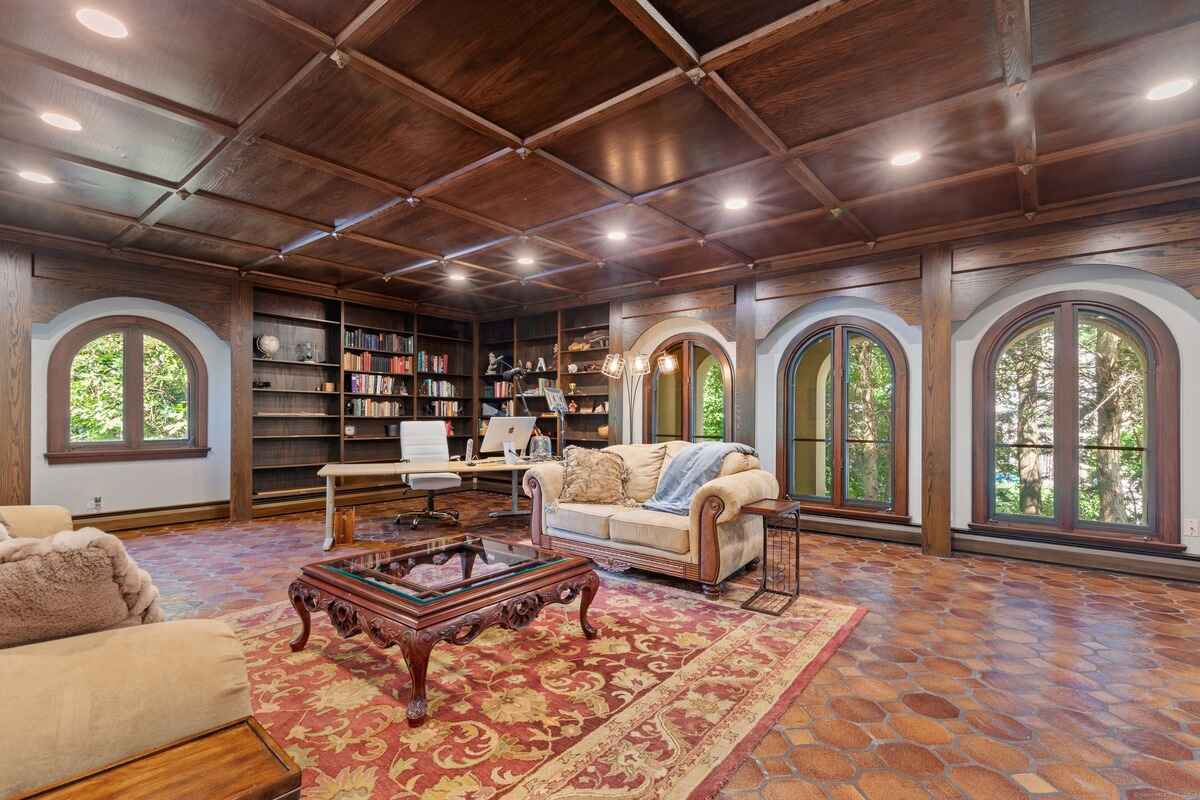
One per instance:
[(593, 476), (3, 532)]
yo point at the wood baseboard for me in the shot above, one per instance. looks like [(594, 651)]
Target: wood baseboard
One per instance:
[(1175, 568), (154, 517)]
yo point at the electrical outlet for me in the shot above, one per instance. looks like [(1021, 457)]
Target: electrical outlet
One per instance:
[(97, 503), (1191, 528)]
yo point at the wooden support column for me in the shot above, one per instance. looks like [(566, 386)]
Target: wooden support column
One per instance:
[(16, 309), (241, 452), (747, 360), (616, 389), (936, 310)]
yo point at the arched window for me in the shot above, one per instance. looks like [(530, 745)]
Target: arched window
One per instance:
[(843, 420), (692, 400), (1077, 421), (123, 389)]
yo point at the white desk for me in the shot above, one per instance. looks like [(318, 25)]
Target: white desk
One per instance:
[(331, 472)]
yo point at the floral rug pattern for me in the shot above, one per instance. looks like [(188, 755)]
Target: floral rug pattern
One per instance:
[(659, 705)]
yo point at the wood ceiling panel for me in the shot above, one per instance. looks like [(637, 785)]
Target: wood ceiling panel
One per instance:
[(681, 260), (255, 175), (75, 184), (326, 15), (205, 215), (175, 244), (1063, 28), (37, 214), (642, 228), (940, 206), (523, 192), (671, 138), (771, 192), (505, 258), (591, 279), (114, 132), (960, 140), (1108, 100), (530, 294), (1148, 163), (791, 237), (428, 229), (708, 24), (522, 64), (207, 55), (360, 254), (300, 268), (349, 118), (889, 57)]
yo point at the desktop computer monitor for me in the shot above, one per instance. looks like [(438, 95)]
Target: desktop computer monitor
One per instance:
[(507, 429)]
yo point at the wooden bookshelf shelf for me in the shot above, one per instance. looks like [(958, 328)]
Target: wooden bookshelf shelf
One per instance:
[(271, 390), (292, 415), (297, 318), (297, 436), (286, 362)]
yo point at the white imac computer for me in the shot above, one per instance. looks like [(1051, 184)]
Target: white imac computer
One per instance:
[(507, 429)]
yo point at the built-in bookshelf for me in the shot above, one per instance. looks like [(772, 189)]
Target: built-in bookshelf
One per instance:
[(344, 377)]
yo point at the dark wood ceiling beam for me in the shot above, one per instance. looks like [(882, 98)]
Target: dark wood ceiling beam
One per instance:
[(29, 197), (605, 188), (1148, 44), (208, 237), (814, 186), (451, 178), (384, 244), (936, 183), (1016, 55), (1119, 142), (471, 216), (94, 82), (286, 23), (252, 208), (646, 18), (643, 93), (430, 99), (91, 163), (649, 195), (257, 119), (374, 21), (329, 167), (808, 18), (723, 95)]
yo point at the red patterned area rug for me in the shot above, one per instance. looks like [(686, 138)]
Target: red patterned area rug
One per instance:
[(663, 704)]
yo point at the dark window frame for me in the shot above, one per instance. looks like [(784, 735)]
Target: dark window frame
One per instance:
[(689, 342)]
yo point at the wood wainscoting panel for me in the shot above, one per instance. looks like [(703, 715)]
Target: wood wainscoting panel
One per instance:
[(16, 299)]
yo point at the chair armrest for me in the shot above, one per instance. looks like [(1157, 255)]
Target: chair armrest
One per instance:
[(549, 478), (77, 704), (36, 522), (733, 491)]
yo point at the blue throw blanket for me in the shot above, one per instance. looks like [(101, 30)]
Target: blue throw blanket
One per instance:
[(688, 471)]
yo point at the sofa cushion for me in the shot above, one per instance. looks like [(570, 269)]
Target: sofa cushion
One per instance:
[(588, 519), (644, 462), (593, 476), (655, 529)]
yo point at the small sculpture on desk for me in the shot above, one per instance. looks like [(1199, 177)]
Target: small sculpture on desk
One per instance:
[(493, 366), (541, 365)]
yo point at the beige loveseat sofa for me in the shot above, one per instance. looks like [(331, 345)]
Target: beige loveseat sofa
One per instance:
[(708, 545), (73, 705)]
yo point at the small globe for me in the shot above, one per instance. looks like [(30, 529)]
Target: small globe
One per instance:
[(267, 344)]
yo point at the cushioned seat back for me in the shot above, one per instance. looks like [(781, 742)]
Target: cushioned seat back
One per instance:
[(424, 441), (644, 462)]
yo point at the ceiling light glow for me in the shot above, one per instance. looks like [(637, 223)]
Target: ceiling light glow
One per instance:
[(736, 203), (35, 177), (905, 158), (617, 236), (1173, 88), (458, 276), (525, 261), (101, 23), (62, 121)]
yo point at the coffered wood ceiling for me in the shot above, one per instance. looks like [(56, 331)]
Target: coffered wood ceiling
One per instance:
[(392, 146)]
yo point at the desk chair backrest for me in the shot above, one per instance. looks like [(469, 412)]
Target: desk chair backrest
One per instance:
[(424, 441)]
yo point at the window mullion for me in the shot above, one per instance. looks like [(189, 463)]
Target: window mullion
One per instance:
[(1066, 417), (134, 395), (839, 415)]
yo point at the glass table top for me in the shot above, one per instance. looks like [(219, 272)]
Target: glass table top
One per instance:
[(431, 570)]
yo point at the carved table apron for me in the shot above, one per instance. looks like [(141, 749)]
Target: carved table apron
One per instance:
[(352, 615)]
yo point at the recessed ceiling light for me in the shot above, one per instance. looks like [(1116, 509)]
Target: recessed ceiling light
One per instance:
[(736, 203), (617, 236), (1165, 91), (101, 23), (905, 158), (35, 177), (57, 120), (525, 261), (458, 276)]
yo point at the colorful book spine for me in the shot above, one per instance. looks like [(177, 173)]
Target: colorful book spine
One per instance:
[(371, 362), (391, 342)]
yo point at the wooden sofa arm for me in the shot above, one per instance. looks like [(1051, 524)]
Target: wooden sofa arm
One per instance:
[(542, 484), (719, 501)]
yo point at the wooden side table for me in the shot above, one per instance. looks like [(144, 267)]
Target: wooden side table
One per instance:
[(239, 761), (780, 560)]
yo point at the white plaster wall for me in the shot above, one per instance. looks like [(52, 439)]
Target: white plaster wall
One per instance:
[(134, 484), (1178, 310), (772, 350), (645, 344)]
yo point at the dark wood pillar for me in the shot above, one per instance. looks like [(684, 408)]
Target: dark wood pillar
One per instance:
[(16, 320), (241, 351), (616, 389), (747, 361), (935, 400)]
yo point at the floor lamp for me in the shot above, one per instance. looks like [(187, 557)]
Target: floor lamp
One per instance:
[(630, 373)]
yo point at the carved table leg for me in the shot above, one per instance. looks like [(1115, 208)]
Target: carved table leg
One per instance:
[(295, 594), (468, 563), (416, 656), (588, 592)]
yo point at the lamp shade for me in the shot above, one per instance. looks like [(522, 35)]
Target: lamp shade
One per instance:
[(641, 365), (613, 366), (667, 363)]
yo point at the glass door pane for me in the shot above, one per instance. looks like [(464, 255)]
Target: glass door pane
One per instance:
[(870, 389), (667, 418), (810, 467), (708, 397), (165, 392), (97, 390), (1023, 404)]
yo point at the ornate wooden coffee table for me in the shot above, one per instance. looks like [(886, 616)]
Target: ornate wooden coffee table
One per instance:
[(413, 596)]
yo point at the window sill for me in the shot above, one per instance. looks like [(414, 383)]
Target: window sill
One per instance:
[(864, 514), (146, 454), (1113, 541)]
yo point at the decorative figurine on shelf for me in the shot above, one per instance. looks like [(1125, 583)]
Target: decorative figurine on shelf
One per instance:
[(305, 352), (556, 349), (572, 368), (572, 407), (267, 345), (350, 429), (599, 406), (493, 364), (602, 431), (541, 365), (529, 366)]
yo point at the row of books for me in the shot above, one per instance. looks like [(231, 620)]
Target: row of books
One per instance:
[(397, 365), (363, 407), (433, 362), (499, 389), (504, 409), (379, 341), (377, 384), (438, 388), (443, 408)]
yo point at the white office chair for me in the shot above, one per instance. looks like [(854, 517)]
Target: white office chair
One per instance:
[(422, 443)]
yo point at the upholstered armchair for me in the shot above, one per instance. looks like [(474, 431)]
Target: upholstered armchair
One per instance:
[(86, 681)]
